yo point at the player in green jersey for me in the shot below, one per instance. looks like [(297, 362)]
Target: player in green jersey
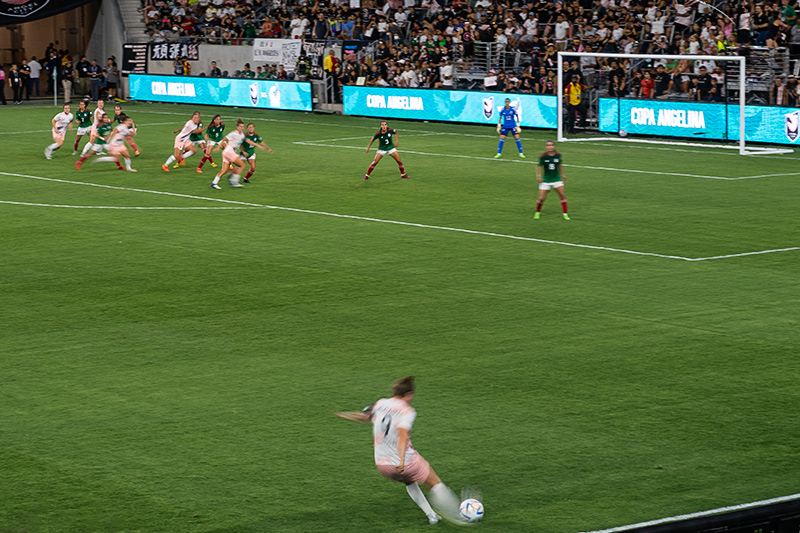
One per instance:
[(550, 175), (84, 118), (214, 134), (100, 141), (198, 140), (388, 139), (252, 140)]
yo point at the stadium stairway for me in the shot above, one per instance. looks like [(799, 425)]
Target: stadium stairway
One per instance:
[(132, 17)]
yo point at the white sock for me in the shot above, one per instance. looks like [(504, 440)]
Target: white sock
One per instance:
[(170, 160), (446, 502), (419, 498), (106, 159), (216, 180), (127, 163), (86, 148), (234, 178), (187, 155), (53, 147)]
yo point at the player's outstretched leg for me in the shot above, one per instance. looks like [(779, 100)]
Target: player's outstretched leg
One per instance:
[(419, 498)]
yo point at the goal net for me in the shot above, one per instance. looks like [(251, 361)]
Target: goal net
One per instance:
[(686, 100)]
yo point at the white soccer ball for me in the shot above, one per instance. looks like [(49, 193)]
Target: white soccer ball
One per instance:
[(471, 510), (623, 133)]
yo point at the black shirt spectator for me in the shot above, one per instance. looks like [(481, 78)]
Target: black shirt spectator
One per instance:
[(703, 84)]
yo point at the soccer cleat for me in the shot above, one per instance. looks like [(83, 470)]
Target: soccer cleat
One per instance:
[(366, 177), (176, 165), (181, 161), (536, 215), (77, 165), (132, 170), (234, 183), (214, 165), (566, 216), (48, 154), (136, 153), (74, 152), (165, 168), (498, 156), (434, 518), (215, 186), (246, 180), (405, 176), (522, 155), (199, 170)]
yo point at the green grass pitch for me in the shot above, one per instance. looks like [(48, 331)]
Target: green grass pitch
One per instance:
[(177, 369)]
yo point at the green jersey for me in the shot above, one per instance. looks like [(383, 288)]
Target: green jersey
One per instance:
[(262, 76), (197, 137), (386, 140), (248, 74), (247, 148), (84, 118), (102, 132), (551, 164), (215, 133)]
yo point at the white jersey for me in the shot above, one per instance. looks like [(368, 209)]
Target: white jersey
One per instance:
[(187, 130), (235, 140), (62, 121), (119, 137), (388, 415), (98, 116)]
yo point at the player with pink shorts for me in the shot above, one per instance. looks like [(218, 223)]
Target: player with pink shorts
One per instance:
[(60, 122), (182, 142), (395, 457), (230, 158)]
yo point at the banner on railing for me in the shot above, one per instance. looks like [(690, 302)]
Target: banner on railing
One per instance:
[(173, 51), (265, 94), (21, 11), (278, 51), (536, 111), (699, 120)]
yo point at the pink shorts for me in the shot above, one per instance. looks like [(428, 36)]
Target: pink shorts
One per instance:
[(182, 145), (94, 130), (417, 471), (116, 150), (59, 136), (229, 156)]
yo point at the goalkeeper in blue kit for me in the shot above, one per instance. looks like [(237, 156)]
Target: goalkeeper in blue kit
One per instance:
[(508, 123)]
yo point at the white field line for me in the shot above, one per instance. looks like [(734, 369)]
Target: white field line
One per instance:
[(48, 131), (123, 207), (768, 176), (700, 514), (530, 162), (400, 223), (663, 148)]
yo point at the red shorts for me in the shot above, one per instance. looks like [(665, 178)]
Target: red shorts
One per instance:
[(417, 471)]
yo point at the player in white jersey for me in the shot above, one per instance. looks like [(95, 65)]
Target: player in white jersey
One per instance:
[(117, 147), (61, 122), (395, 457), (230, 158), (182, 142), (98, 115)]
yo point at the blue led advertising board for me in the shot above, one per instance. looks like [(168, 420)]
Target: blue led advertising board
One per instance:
[(265, 94), (536, 111)]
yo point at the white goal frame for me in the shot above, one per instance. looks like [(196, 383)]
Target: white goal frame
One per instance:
[(742, 146)]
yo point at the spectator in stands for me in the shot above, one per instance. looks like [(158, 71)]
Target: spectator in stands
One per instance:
[(112, 78), (778, 93), (36, 71), (215, 71), (95, 73)]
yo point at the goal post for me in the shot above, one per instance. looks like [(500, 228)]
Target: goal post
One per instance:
[(673, 139)]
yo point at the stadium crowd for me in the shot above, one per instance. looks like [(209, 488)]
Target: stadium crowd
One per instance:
[(421, 42)]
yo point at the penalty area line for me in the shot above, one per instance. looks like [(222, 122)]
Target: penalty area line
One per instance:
[(141, 208), (529, 162), (396, 222), (699, 514)]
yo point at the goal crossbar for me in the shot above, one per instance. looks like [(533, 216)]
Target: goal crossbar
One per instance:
[(743, 148)]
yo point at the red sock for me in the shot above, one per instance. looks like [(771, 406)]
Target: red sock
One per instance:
[(249, 173), (82, 159), (203, 161), (210, 159), (402, 168), (370, 169), (564, 206), (76, 145), (133, 145), (538, 206)]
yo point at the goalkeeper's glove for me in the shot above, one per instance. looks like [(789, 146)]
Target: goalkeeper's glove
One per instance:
[(518, 129), (498, 128)]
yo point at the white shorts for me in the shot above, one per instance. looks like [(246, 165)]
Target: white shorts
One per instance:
[(252, 157), (198, 143), (84, 131), (544, 186), (98, 148), (390, 152), (211, 144)]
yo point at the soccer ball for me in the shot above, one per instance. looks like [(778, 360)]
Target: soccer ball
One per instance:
[(623, 133), (471, 510)]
